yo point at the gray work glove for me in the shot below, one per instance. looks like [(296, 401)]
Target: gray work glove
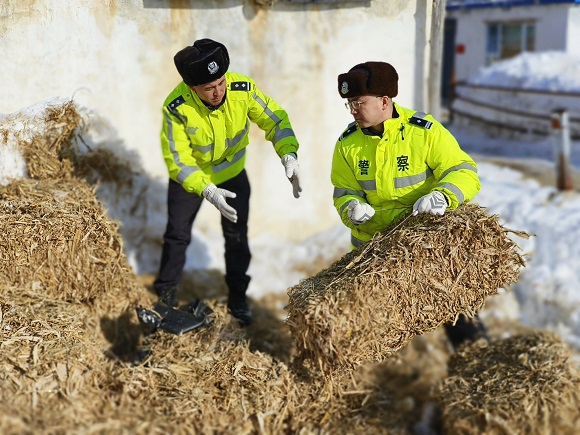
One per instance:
[(293, 173), (217, 197), (433, 203), (359, 212)]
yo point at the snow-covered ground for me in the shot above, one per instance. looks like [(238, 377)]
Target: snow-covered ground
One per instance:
[(548, 291)]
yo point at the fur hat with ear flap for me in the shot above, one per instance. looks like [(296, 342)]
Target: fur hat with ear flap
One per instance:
[(369, 78), (203, 62)]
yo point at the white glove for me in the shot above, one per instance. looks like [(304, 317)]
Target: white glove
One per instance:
[(218, 197), (293, 173), (433, 203), (359, 212)]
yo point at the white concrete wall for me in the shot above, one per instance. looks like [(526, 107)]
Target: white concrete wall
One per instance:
[(116, 57), (573, 31), (552, 31)]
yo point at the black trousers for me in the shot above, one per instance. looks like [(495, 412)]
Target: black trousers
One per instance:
[(182, 208), (465, 329)]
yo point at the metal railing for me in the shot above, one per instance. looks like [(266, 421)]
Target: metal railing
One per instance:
[(555, 121), (526, 121)]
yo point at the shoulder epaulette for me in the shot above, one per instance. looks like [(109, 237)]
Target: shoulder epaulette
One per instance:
[(240, 86), (352, 127), (175, 103), (418, 119)]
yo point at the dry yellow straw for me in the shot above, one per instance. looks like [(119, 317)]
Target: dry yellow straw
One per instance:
[(405, 282), (523, 384)]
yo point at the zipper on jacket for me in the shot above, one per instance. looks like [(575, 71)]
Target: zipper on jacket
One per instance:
[(401, 130)]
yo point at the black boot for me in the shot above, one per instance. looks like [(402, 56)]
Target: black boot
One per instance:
[(237, 302), (168, 296), (238, 306), (465, 330)]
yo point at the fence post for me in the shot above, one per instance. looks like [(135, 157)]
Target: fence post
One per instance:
[(561, 135)]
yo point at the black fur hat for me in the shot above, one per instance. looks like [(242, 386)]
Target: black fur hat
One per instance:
[(369, 78), (203, 62)]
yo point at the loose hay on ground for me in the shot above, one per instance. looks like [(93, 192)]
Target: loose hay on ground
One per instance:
[(68, 326), (63, 367), (523, 384), (69, 334), (405, 282)]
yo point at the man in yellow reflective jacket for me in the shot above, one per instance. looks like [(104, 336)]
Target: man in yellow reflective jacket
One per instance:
[(206, 122), (393, 161)]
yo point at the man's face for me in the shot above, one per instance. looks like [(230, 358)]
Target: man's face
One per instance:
[(212, 92), (368, 110)]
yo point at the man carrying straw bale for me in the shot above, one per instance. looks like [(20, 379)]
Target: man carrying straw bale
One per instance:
[(392, 160)]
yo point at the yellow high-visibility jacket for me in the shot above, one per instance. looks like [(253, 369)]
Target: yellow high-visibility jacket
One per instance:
[(202, 146), (414, 156)]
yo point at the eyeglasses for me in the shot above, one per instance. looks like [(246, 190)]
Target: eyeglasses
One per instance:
[(355, 105)]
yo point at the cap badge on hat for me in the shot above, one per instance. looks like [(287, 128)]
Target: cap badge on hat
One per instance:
[(213, 67), (344, 88)]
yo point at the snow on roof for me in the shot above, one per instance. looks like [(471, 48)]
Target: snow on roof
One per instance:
[(473, 4), (549, 70)]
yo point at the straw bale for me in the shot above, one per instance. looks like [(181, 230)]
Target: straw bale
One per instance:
[(522, 384), (57, 238), (410, 279), (68, 330)]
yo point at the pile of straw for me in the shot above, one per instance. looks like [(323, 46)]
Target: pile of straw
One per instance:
[(69, 335), (523, 384), (407, 281), (70, 341), (57, 239), (51, 154), (70, 338)]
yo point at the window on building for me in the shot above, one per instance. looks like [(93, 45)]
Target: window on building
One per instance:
[(505, 40)]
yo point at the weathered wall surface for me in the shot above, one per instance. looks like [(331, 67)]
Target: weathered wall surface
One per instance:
[(116, 57)]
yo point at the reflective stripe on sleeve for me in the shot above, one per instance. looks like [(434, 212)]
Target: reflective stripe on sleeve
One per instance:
[(282, 133), (453, 188), (178, 115), (465, 166), (338, 193), (270, 114), (279, 133), (357, 243), (186, 171)]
